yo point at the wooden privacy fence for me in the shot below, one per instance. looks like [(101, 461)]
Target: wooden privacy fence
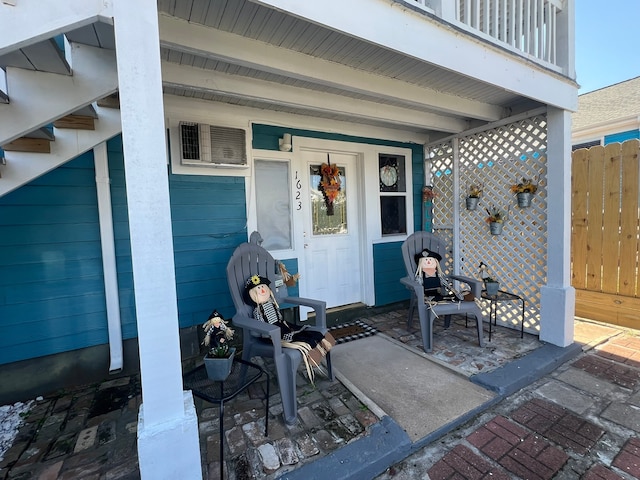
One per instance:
[(605, 233)]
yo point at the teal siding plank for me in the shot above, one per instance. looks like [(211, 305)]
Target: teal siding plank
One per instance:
[(64, 327), (54, 345), (55, 271), (215, 228), (50, 195), (224, 212), (388, 270), (43, 253), (46, 214), (52, 290), (621, 137), (23, 314), (32, 234)]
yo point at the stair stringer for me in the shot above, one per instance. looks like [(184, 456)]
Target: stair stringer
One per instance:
[(22, 167), (37, 99)]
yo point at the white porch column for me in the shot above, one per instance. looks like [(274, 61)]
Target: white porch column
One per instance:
[(168, 446), (557, 305)]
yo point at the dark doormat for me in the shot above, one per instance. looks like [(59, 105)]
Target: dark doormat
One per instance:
[(352, 331)]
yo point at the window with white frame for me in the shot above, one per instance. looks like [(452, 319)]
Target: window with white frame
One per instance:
[(273, 204), (393, 194)]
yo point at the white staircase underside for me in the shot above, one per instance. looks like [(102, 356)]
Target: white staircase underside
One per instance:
[(22, 167), (39, 98), (41, 21)]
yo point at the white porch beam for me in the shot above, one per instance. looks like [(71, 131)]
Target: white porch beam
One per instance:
[(216, 44), (557, 303), (23, 167), (40, 20), (220, 83), (434, 42), (39, 98), (168, 444)]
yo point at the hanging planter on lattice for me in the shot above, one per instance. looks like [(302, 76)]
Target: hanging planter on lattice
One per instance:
[(475, 191), (496, 219), (524, 191)]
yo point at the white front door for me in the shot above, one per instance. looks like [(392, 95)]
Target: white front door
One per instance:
[(332, 270)]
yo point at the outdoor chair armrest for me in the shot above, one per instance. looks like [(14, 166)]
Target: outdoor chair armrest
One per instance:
[(411, 284), (318, 306), (474, 283), (262, 328)]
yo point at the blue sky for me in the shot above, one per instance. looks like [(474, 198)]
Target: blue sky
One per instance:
[(607, 43)]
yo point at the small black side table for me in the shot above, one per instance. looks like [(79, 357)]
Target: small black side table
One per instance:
[(502, 296), (242, 375)]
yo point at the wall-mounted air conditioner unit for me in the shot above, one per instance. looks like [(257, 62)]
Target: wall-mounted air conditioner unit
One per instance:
[(204, 145)]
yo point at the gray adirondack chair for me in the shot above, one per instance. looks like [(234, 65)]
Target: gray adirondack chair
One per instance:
[(262, 339), (414, 244)]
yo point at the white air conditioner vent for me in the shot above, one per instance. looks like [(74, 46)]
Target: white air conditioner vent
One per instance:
[(202, 144)]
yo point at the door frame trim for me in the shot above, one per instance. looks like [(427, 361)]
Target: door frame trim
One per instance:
[(348, 148), (367, 184)]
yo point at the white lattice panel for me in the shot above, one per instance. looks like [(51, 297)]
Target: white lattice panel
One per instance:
[(497, 159), (443, 211)]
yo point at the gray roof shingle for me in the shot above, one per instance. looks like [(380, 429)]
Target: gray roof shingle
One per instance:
[(608, 104)]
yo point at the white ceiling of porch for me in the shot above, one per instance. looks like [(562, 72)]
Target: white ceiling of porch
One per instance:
[(268, 28), (244, 53)]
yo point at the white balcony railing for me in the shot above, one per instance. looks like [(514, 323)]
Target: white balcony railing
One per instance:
[(526, 26)]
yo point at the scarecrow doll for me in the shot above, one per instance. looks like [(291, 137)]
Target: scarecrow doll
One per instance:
[(217, 333), (313, 345), (437, 286)]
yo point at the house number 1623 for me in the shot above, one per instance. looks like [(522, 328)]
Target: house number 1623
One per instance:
[(298, 194)]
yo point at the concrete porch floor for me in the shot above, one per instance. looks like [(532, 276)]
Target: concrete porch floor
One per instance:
[(89, 432)]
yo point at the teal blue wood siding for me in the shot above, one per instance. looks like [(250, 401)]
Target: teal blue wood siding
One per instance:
[(388, 270), (208, 222), (621, 137), (51, 279)]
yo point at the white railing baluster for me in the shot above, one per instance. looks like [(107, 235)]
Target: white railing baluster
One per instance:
[(511, 40), (504, 21), (519, 25), (497, 15), (475, 11), (540, 29), (529, 26), (554, 39)]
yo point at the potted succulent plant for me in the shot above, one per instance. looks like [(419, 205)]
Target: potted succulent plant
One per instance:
[(524, 191), (496, 219), (475, 191), (491, 285), (219, 358)]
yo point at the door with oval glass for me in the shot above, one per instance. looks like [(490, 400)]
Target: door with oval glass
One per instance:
[(331, 234)]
